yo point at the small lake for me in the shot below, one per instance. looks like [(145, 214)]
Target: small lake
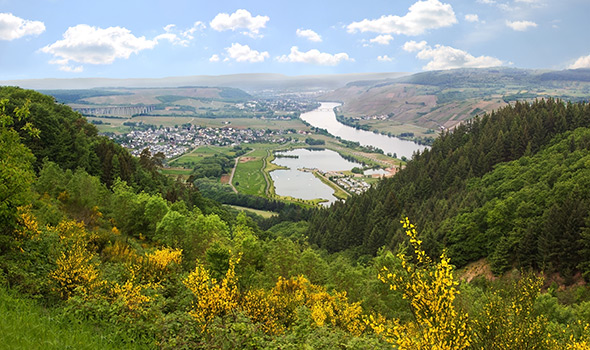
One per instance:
[(305, 185), (324, 118)]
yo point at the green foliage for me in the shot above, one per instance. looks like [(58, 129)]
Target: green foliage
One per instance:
[(111, 255), (510, 186), (27, 325), (212, 167), (16, 173), (314, 142)]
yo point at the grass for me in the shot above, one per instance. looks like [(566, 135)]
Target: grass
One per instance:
[(265, 214), (189, 160), (24, 324), (248, 178), (182, 172)]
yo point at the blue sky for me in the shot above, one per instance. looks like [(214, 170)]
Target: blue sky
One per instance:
[(133, 39)]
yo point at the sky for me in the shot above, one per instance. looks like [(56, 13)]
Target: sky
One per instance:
[(164, 38)]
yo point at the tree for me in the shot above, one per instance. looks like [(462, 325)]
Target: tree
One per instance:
[(16, 170)]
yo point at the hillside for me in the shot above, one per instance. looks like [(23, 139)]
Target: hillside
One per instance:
[(442, 99), (508, 186), (97, 242)]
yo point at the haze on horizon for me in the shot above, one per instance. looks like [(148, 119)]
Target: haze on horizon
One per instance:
[(154, 39)]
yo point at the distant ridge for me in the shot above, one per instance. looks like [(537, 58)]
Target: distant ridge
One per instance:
[(252, 82)]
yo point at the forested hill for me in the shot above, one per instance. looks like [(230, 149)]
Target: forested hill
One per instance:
[(68, 140), (466, 195), (90, 261)]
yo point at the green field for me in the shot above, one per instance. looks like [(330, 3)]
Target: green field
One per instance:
[(252, 172), (182, 172), (249, 179), (24, 324), (189, 160), (265, 214)]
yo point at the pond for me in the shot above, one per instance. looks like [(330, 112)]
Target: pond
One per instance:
[(297, 183)]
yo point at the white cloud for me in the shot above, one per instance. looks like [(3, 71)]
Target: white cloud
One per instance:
[(241, 19), (172, 38), (384, 58), (12, 27), (86, 44), (214, 58), (501, 5), (521, 26), (472, 18), (382, 39), (446, 57), (188, 33), (309, 35), (582, 62), (421, 16), (179, 37), (243, 53), (314, 57), (72, 69), (412, 46)]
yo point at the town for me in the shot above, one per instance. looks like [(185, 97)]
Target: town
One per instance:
[(176, 140)]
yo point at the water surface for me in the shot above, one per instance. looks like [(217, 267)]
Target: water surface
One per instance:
[(324, 118), (304, 185)]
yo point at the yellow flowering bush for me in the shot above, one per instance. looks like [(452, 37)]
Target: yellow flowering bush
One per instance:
[(131, 296), (277, 309), (76, 273), (120, 252), (264, 309), (165, 257), (29, 227), (430, 289), (213, 298)]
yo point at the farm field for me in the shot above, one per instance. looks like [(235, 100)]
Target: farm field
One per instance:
[(265, 214), (190, 159)]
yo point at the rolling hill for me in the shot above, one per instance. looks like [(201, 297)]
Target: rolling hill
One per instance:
[(443, 99)]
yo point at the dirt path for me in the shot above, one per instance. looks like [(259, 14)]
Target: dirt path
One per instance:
[(264, 174)]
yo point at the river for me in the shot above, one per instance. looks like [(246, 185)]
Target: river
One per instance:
[(325, 118)]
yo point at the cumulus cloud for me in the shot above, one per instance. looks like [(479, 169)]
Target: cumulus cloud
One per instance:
[(243, 53), (309, 35), (13, 27), (179, 37), (412, 46), (521, 26), (241, 19), (382, 39), (472, 18), (445, 57), (582, 62), (421, 16), (92, 45), (314, 57), (384, 58), (214, 58)]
